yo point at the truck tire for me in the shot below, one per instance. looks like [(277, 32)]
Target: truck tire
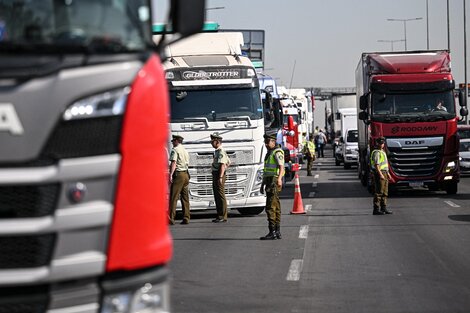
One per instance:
[(251, 211), (347, 166), (451, 188)]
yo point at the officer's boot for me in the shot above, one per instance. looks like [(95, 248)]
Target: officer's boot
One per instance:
[(271, 235), (278, 231)]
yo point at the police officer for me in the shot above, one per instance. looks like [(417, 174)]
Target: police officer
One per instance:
[(379, 166), (179, 179), (272, 184), (219, 176), (309, 152)]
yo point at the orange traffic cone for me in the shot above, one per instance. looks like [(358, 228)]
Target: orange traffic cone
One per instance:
[(298, 207)]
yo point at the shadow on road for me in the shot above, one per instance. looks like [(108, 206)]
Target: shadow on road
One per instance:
[(460, 218)]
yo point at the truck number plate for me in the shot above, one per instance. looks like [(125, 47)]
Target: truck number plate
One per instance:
[(415, 184)]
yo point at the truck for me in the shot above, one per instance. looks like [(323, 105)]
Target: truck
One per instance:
[(214, 88), (345, 126), (83, 169), (397, 96)]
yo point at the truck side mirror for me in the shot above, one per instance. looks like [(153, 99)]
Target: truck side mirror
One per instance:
[(462, 100), (363, 102), (463, 111), (187, 19), (363, 116)]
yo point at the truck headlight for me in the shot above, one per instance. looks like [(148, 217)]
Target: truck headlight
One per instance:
[(450, 167), (147, 299), (109, 103), (255, 190)]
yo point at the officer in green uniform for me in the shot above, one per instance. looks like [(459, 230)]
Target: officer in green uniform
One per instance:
[(219, 176), (272, 184), (309, 151), (179, 179), (379, 166)]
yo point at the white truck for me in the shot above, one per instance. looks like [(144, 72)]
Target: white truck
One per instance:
[(345, 120), (214, 88)]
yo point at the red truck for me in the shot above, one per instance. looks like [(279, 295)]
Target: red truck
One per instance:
[(83, 130), (408, 98)]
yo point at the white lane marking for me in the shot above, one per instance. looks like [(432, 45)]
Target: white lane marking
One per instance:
[(314, 185), (294, 270), (452, 204), (308, 207), (303, 232), (316, 176), (311, 194)]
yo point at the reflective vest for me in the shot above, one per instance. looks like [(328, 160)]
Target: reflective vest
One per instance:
[(270, 163), (383, 162), (310, 147)]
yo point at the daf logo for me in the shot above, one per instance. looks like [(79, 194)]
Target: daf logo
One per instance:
[(9, 120), (414, 142)]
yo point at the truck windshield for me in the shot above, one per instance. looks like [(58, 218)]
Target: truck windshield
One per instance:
[(427, 106), (352, 136), (216, 105), (103, 26)]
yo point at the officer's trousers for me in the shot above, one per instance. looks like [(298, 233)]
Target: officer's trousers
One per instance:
[(179, 189), (380, 191), (219, 195), (273, 204)]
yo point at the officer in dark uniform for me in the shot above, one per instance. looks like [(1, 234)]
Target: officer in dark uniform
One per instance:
[(272, 184), (379, 166), (220, 164), (179, 179)]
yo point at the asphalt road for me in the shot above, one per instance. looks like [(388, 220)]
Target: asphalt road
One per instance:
[(337, 257)]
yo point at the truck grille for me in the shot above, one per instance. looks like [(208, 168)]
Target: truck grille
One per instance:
[(416, 162), (229, 191), (24, 299), (26, 251), (239, 157), (78, 138), (236, 185), (82, 138), (28, 201)]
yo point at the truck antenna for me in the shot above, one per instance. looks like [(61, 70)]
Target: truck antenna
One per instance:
[(292, 76)]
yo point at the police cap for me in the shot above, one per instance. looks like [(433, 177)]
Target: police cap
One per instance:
[(216, 136), (270, 135), (177, 137), (380, 140)]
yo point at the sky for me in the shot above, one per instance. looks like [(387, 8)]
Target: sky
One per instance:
[(325, 39)]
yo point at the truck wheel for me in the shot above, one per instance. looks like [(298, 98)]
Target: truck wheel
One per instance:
[(347, 166), (250, 211), (451, 189)]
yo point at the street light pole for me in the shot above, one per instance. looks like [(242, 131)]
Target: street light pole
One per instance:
[(427, 25), (390, 41), (404, 20)]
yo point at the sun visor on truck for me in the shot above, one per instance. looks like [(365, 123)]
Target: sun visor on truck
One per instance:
[(381, 87)]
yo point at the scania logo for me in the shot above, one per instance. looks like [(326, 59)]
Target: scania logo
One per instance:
[(414, 142), (395, 129), (9, 120)]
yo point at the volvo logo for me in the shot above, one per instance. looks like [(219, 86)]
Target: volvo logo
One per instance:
[(9, 120)]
